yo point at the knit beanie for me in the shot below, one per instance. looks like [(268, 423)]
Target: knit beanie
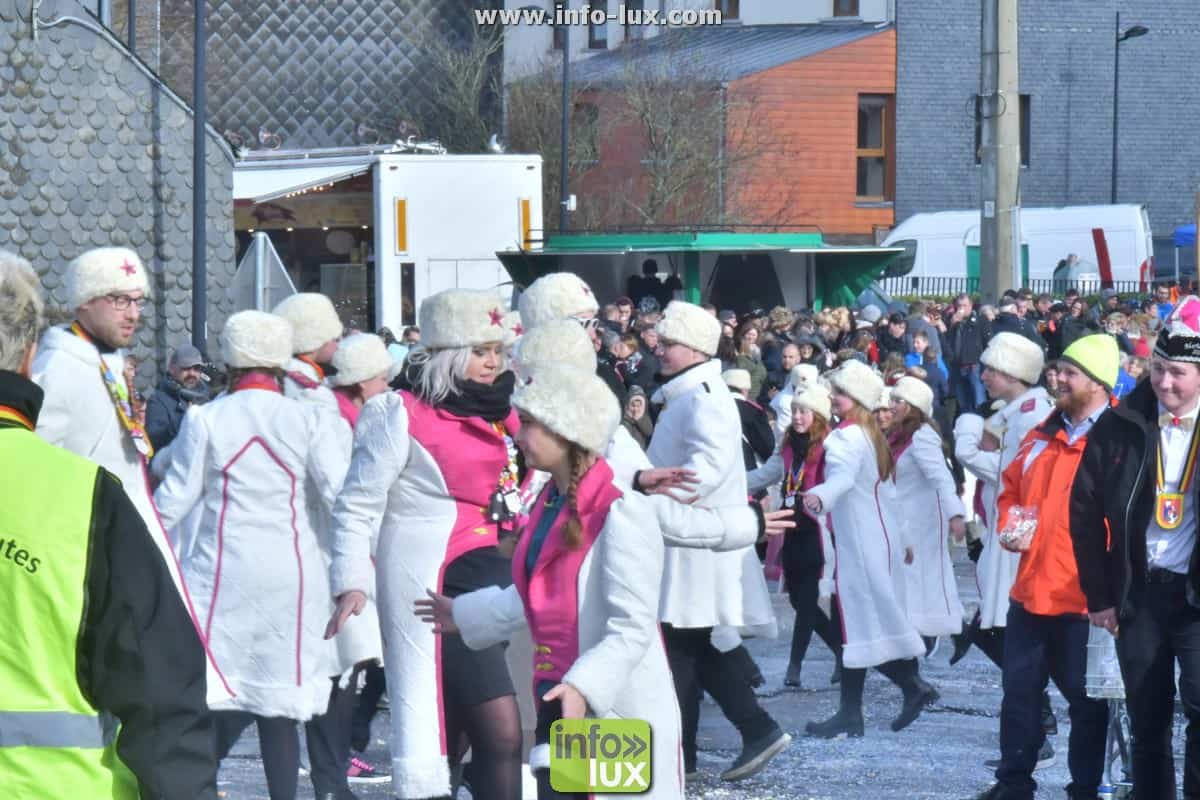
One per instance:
[(313, 318), (105, 270), (1097, 355)]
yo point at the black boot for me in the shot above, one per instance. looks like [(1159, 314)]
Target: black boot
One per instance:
[(1049, 721), (836, 677), (962, 641), (917, 693), (792, 677), (848, 721)]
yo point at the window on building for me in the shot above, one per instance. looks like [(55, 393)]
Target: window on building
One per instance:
[(730, 9), (1026, 127), (633, 18), (559, 6), (598, 33), (876, 151), (845, 8), (585, 124)]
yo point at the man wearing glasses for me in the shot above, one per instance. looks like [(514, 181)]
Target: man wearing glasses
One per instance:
[(88, 406)]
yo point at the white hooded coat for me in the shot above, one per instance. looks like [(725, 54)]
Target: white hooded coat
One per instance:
[(997, 567), (78, 415), (260, 584), (926, 499), (699, 429), (866, 534)]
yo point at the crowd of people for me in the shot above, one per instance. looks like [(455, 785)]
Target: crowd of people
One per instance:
[(343, 514)]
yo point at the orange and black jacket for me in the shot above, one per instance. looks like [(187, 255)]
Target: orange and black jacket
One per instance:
[(1040, 476), (1112, 502)]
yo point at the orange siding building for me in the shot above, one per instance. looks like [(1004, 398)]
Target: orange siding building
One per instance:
[(807, 172)]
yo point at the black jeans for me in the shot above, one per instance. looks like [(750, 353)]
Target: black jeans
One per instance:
[(278, 742), (1163, 628), (698, 667), (366, 707), (1037, 648), (802, 592), (547, 715)]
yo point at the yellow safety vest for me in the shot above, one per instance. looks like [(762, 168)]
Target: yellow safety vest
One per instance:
[(53, 742)]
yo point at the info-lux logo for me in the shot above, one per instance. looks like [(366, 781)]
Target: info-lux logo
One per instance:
[(600, 756)]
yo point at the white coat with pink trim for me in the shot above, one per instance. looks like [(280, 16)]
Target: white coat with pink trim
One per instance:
[(926, 499), (866, 537), (248, 460)]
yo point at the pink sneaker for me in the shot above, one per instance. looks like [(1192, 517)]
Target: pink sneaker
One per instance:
[(362, 772)]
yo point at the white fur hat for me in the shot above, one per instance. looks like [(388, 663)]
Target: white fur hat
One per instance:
[(737, 379), (859, 382), (915, 392), (573, 403), (313, 318), (463, 318), (1014, 355), (555, 296), (562, 341), (256, 339), (690, 325), (360, 357), (105, 270), (803, 375), (815, 398), (513, 329), (885, 398)]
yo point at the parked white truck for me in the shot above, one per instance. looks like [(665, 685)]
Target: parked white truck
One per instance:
[(945, 244), (378, 229)]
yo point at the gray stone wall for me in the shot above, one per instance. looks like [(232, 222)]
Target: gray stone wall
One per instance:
[(1066, 51), (93, 152)]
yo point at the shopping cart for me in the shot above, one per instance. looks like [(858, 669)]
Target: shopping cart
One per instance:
[(1103, 682)]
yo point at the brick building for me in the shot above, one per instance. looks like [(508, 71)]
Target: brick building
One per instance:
[(805, 133), (1066, 83)]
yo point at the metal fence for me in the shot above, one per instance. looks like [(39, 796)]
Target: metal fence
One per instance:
[(930, 286)]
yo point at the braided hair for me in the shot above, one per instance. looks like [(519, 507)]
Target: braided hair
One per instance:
[(573, 530)]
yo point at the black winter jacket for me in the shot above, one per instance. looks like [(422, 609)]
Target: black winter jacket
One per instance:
[(1113, 498)]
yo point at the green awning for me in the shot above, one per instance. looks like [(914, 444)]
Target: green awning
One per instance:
[(842, 272)]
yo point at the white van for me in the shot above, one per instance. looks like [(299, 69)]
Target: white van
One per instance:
[(945, 245)]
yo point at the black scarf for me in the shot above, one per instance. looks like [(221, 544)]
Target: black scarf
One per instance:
[(489, 401)]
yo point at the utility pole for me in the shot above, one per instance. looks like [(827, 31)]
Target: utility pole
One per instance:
[(1008, 154), (1000, 157)]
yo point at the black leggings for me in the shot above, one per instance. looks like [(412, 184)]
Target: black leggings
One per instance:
[(547, 715), (328, 738), (368, 704), (278, 740), (810, 619)]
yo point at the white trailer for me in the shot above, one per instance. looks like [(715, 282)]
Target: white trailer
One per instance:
[(379, 229), (945, 244)]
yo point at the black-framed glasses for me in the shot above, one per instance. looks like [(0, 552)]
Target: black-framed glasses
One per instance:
[(589, 325), (122, 302)]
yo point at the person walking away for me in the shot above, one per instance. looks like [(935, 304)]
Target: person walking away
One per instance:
[(80, 367), (1133, 526), (183, 386), (859, 511), (255, 566), (930, 512), (1047, 631), (113, 644)]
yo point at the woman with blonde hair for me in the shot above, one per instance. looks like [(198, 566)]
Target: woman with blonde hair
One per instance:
[(857, 499), (930, 512), (432, 483)]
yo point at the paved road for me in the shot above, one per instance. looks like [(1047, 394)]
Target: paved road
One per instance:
[(940, 757)]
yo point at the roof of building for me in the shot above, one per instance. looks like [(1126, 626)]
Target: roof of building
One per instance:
[(719, 53)]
